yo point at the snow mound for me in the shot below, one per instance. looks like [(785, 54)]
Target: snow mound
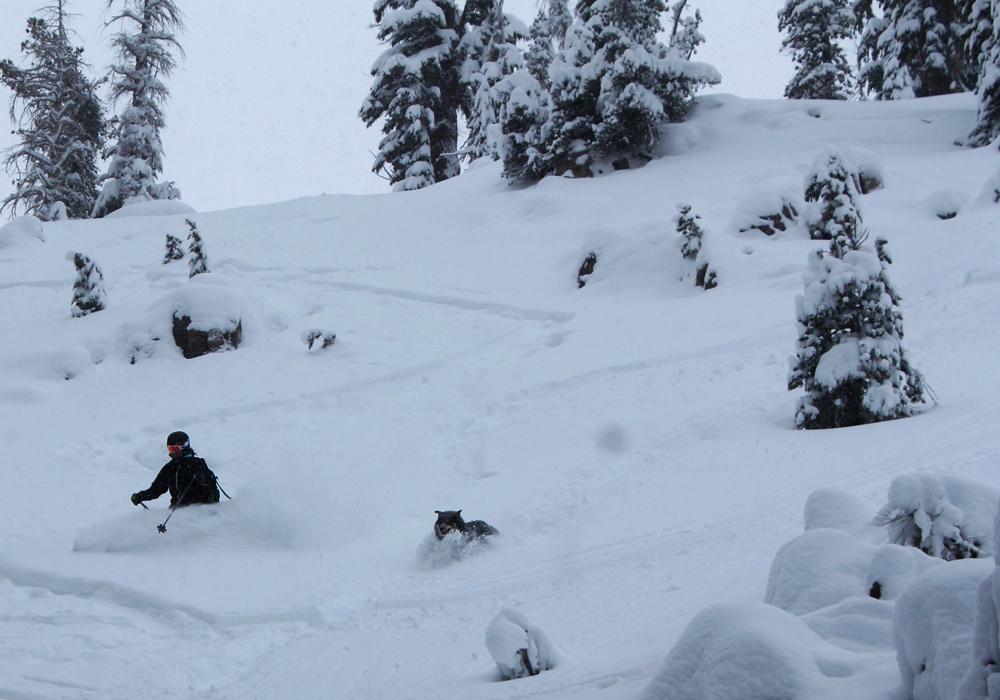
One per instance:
[(817, 569), (153, 207), (517, 646), (22, 229), (933, 629), (433, 553), (835, 509), (751, 651)]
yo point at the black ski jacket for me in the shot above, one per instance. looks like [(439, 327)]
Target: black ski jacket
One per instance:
[(189, 480)]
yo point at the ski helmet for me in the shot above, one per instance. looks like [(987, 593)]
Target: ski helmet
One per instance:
[(178, 438)]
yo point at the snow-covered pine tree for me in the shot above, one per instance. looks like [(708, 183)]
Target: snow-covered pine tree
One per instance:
[(814, 32), (560, 19), (831, 194), (88, 289), (490, 55), (976, 35), (690, 232), (417, 92), (523, 114), (850, 358), (918, 52), (198, 262), (614, 85), (690, 241), (145, 46), (174, 249), (987, 125), (60, 125), (538, 57)]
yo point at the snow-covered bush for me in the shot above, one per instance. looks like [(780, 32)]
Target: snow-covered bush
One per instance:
[(88, 289), (317, 340), (947, 517), (933, 626), (850, 358), (517, 646), (752, 651)]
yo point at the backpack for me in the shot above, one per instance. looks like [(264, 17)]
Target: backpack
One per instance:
[(194, 482)]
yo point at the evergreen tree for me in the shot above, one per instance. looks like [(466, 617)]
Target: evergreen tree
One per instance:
[(174, 249), (613, 86), (523, 115), (690, 232), (198, 262), (490, 55), (976, 35), (145, 47), (60, 126), (987, 125), (919, 50), (814, 32), (560, 19), (690, 240), (832, 187), (540, 53), (850, 358), (417, 91), (88, 289)]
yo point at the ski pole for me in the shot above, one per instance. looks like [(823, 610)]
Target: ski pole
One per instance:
[(162, 527)]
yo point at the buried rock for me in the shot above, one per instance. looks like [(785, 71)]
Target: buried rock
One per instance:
[(195, 342)]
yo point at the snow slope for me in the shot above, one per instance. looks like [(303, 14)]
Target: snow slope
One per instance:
[(632, 440)]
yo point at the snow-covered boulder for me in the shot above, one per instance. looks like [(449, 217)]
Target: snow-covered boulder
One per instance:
[(933, 629), (517, 646), (752, 651), (817, 569), (206, 318), (771, 210), (946, 516)]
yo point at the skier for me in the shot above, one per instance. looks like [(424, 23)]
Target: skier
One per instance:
[(186, 475)]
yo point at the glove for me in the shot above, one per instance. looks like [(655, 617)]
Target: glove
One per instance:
[(135, 499)]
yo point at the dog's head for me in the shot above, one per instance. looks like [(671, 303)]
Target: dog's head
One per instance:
[(448, 521)]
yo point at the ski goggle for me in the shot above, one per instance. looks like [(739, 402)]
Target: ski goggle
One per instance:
[(173, 449)]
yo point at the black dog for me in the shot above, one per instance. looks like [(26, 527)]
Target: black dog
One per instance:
[(451, 521)]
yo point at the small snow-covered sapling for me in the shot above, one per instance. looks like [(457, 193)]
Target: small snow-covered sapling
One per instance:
[(175, 251), (88, 290), (317, 340), (198, 263)]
